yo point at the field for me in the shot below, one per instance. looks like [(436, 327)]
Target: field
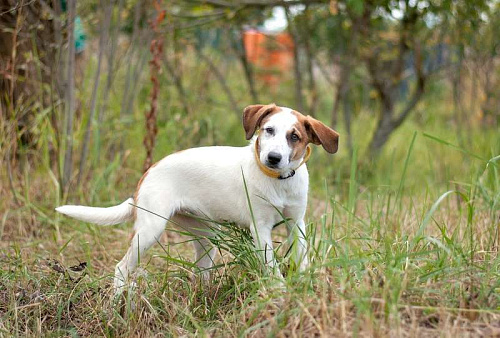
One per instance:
[(403, 244)]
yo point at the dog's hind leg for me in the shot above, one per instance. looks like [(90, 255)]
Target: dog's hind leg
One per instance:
[(148, 231), (205, 251), (205, 255)]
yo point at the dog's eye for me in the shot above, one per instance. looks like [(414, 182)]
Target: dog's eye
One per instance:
[(294, 137), (270, 130)]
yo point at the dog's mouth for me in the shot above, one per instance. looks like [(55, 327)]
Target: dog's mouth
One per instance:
[(272, 166)]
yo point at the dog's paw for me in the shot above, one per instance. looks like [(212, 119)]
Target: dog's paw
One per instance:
[(304, 264), (279, 284), (121, 285)]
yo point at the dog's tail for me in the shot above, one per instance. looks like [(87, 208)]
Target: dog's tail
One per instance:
[(103, 216)]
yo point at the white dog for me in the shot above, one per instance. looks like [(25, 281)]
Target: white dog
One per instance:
[(209, 182)]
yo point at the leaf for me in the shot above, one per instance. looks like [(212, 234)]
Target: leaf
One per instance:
[(56, 266), (80, 267), (356, 6)]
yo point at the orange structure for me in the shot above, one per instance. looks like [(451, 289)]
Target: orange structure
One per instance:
[(271, 54)]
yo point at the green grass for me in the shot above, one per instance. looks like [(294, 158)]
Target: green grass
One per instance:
[(404, 245)]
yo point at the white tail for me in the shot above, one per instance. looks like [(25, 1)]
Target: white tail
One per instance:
[(104, 216)]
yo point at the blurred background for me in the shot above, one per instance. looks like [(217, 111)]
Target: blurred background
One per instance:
[(403, 222), (93, 92)]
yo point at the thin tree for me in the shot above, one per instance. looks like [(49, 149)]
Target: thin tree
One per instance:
[(238, 47), (105, 21), (155, 65), (387, 75), (113, 39), (70, 99), (299, 100), (305, 33)]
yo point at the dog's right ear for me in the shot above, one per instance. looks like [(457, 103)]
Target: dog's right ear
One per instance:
[(253, 116), (321, 134)]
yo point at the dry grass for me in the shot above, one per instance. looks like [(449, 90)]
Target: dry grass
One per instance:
[(371, 275)]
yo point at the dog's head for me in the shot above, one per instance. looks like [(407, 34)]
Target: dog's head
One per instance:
[(284, 135)]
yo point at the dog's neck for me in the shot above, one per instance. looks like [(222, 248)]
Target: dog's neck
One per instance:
[(276, 174)]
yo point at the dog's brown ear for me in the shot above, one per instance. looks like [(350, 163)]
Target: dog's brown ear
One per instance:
[(253, 115), (321, 134)]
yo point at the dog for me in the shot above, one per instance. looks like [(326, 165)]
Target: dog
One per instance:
[(253, 186)]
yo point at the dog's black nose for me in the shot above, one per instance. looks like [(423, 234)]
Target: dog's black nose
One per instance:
[(273, 158)]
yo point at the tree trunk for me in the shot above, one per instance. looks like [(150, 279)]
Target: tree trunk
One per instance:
[(386, 88), (347, 118), (347, 62), (239, 48), (296, 66), (113, 37), (70, 100), (30, 72), (383, 130), (313, 92), (340, 95), (133, 41), (456, 78)]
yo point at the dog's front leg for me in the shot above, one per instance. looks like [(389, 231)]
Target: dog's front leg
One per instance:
[(296, 228), (261, 233), (297, 239)]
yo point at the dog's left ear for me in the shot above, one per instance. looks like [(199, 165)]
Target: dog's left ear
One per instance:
[(321, 134), (253, 115)]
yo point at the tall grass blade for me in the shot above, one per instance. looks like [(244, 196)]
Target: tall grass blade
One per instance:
[(405, 167)]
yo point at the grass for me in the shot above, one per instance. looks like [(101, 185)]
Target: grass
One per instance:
[(403, 246), (384, 263)]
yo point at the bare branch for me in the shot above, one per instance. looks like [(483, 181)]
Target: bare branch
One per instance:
[(220, 12), (197, 23), (260, 3), (18, 6)]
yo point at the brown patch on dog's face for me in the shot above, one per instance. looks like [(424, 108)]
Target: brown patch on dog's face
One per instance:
[(316, 132), (297, 139), (299, 129), (256, 115)]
